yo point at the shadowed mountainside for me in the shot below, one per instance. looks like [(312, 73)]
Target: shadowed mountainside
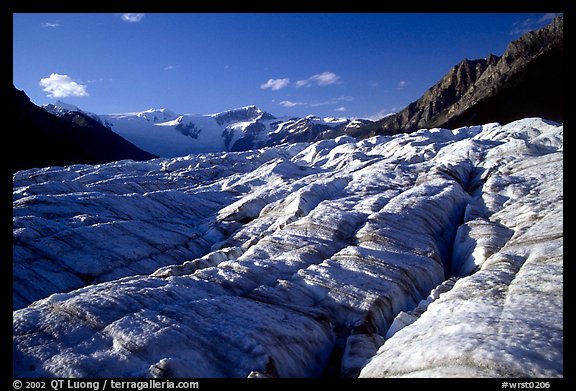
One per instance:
[(43, 139)]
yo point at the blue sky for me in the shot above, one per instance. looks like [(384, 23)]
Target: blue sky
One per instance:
[(354, 65)]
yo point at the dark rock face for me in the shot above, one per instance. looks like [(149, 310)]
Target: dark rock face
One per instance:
[(248, 141), (300, 130), (188, 130), (525, 82), (294, 130), (40, 139), (242, 114)]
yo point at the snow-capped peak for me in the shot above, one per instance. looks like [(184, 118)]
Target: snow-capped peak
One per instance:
[(67, 106), (241, 114), (157, 115), (330, 121), (59, 108), (335, 119)]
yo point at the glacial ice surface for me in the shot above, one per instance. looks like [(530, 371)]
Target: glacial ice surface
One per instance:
[(298, 260)]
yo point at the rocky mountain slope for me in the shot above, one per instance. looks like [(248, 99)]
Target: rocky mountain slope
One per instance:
[(526, 81), (41, 139), (436, 253)]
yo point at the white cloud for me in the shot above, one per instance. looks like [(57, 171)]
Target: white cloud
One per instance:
[(287, 103), (341, 108), (62, 86), (275, 84), (320, 79), (325, 78), (50, 24), (401, 84), (132, 18), (170, 67)]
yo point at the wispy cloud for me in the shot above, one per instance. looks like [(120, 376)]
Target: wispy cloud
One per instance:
[(401, 84), (345, 98), (100, 80), (170, 67), (302, 83), (321, 103), (50, 24), (523, 26), (132, 18), (320, 79), (383, 113), (333, 101), (287, 103), (547, 18), (275, 84), (325, 78), (62, 86)]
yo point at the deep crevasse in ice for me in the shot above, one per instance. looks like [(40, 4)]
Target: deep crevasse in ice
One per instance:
[(277, 260), (505, 320)]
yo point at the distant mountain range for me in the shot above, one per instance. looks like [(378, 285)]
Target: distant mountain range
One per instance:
[(527, 81), (167, 134)]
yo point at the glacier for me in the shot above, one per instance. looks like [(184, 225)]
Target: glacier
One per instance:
[(432, 254)]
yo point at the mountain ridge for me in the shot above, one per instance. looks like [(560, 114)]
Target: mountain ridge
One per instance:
[(44, 139)]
